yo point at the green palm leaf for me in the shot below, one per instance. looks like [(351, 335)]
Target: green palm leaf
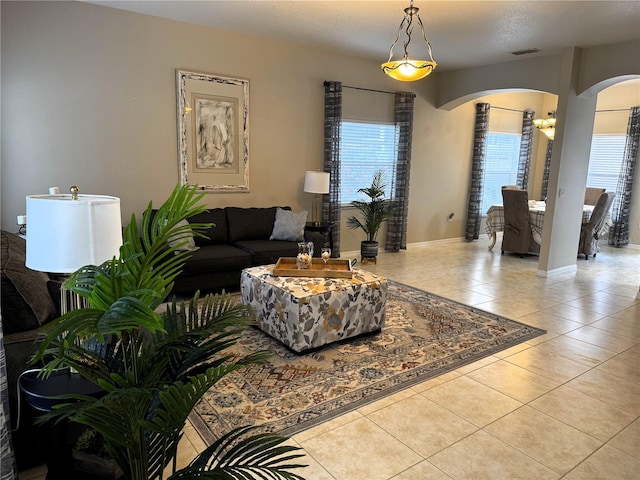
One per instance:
[(237, 456), (375, 211)]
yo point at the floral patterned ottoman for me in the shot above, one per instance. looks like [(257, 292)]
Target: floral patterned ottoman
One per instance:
[(306, 313)]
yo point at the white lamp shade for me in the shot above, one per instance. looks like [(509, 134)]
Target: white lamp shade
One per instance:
[(316, 182), (65, 234)]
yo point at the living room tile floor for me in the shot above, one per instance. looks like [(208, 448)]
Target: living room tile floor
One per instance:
[(563, 405)]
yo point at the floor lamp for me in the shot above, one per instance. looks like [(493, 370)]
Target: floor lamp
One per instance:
[(318, 184), (67, 232)]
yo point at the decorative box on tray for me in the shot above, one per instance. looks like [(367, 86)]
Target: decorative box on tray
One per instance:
[(334, 268)]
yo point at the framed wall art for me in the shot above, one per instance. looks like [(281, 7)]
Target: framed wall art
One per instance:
[(213, 131)]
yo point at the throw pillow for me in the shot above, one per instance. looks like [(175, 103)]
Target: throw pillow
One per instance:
[(183, 241), (25, 297), (289, 225)]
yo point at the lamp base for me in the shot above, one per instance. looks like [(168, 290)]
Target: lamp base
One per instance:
[(69, 300), (316, 209)]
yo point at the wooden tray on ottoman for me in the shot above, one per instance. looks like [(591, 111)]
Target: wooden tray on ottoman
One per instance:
[(336, 268)]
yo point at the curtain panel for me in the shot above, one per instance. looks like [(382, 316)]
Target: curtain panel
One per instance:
[(397, 222), (526, 147), (332, 134), (477, 171), (621, 211), (547, 169)]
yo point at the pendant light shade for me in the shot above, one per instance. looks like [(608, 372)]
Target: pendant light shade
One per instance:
[(547, 125), (408, 69)]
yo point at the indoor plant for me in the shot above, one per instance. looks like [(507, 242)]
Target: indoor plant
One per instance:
[(374, 213), (153, 361)]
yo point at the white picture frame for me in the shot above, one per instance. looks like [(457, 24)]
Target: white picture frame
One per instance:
[(213, 131)]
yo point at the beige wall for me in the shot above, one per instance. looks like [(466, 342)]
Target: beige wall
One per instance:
[(612, 111), (88, 98)]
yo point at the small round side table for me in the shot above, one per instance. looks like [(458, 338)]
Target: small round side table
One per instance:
[(40, 394), (322, 227)]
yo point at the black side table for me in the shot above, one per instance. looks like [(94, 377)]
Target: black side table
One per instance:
[(324, 228), (39, 393)]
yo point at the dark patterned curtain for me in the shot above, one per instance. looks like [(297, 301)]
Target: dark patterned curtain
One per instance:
[(477, 171), (397, 223), (547, 169), (620, 213), (526, 142), (332, 134)]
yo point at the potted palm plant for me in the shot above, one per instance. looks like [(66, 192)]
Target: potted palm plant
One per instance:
[(154, 361), (374, 212)]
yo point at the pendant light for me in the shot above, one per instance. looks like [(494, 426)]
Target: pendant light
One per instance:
[(407, 69), (547, 125)]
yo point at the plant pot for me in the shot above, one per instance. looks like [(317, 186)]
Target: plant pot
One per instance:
[(368, 249), (95, 466)]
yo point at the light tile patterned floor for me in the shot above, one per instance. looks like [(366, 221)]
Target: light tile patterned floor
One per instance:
[(564, 405)]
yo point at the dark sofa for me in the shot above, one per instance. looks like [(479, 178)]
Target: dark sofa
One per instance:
[(241, 238), (30, 299)]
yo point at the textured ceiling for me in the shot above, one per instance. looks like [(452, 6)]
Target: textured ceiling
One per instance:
[(462, 33)]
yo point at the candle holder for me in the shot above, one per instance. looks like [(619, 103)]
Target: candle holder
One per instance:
[(305, 254)]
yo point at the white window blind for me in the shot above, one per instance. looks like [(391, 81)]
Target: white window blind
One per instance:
[(501, 167), (605, 161), (364, 149)]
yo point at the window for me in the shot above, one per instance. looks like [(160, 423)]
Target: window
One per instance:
[(501, 168), (605, 161), (364, 149)]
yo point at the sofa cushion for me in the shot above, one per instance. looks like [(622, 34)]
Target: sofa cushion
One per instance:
[(26, 302), (268, 251), (16, 314), (218, 233), (217, 258), (289, 225), (250, 223)]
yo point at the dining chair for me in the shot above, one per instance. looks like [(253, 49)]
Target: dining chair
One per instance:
[(592, 194), (590, 231), (517, 236)]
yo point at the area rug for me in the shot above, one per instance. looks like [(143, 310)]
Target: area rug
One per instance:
[(424, 336)]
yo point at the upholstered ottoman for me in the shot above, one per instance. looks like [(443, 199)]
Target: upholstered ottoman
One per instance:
[(305, 313)]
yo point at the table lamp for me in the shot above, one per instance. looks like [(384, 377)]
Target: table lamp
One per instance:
[(67, 232), (318, 184)]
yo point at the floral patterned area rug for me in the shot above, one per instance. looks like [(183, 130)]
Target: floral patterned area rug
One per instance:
[(424, 336)]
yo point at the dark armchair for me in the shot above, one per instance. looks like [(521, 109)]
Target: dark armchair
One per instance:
[(590, 231), (517, 236)]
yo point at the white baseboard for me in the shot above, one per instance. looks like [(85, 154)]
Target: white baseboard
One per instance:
[(439, 242), (356, 253), (569, 269)]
